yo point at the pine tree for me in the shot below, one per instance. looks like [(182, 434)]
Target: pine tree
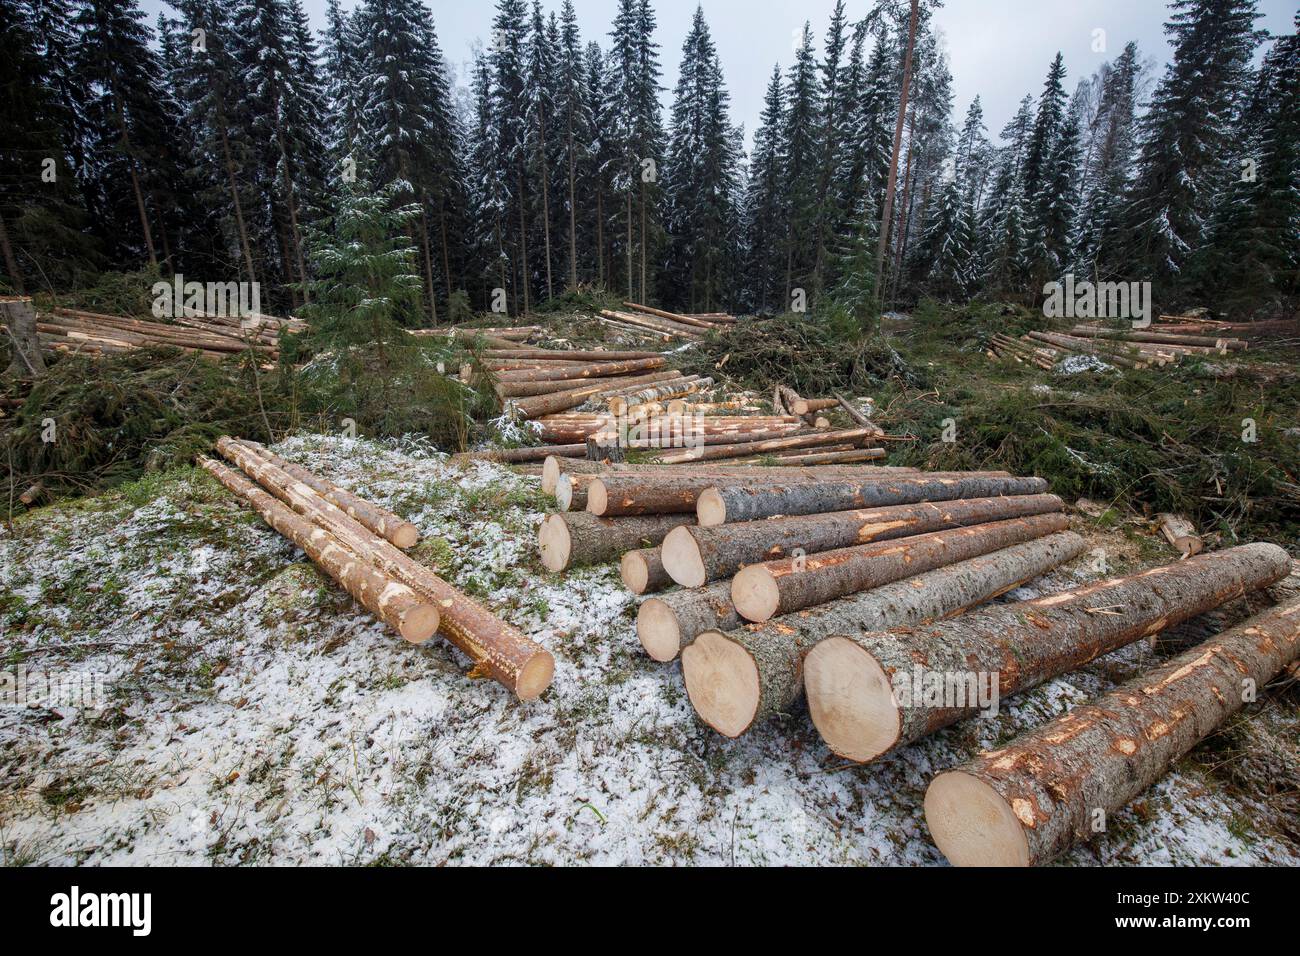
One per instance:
[(973, 155), (1002, 226), (341, 66), (700, 180), (766, 203), (601, 162), (538, 84), (1058, 205), (1047, 126), (944, 254), (834, 131), (1186, 131), (572, 112), (800, 148), (510, 117)]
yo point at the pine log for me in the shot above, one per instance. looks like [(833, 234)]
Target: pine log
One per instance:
[(858, 435), (849, 679), (554, 467), (654, 323), (412, 615), (378, 519), (1181, 533), (740, 678), (666, 623), (582, 371), (805, 406), (763, 591), (540, 405), (533, 453), (831, 455), (1141, 335), (497, 649), (694, 555), (643, 572), (575, 355), (615, 494), (672, 316), (578, 538), (1028, 802), (724, 504)]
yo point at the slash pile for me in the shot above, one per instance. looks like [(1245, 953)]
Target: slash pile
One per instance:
[(860, 590), (359, 545)]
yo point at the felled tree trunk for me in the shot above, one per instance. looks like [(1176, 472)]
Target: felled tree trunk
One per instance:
[(737, 679), (642, 571), (763, 591), (411, 615), (695, 555), (849, 679), (667, 623), (722, 504), (1035, 798), (578, 538)]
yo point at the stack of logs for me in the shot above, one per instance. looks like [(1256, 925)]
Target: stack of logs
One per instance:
[(67, 331), (360, 545), (859, 590), (658, 325)]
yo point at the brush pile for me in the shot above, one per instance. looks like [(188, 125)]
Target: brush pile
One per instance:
[(359, 545)]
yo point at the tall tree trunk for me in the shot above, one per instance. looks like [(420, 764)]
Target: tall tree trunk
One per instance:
[(244, 246), (644, 296), (293, 207), (546, 199), (600, 236), (523, 242), (428, 264), (135, 183), (573, 215), (446, 254), (887, 213), (11, 261)]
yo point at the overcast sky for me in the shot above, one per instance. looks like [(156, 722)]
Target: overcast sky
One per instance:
[(999, 49)]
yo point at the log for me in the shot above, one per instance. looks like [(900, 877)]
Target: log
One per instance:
[(849, 679), (831, 456), (583, 371), (578, 538), (739, 678), (380, 520), (723, 504), (1139, 335), (1028, 802), (576, 355), (655, 324), (412, 615), (666, 623), (806, 406), (672, 316), (533, 453), (615, 494), (1181, 533), (856, 435), (694, 555), (643, 572), (539, 405), (497, 649), (763, 591), (553, 468)]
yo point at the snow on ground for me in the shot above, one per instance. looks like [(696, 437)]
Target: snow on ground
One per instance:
[(254, 714)]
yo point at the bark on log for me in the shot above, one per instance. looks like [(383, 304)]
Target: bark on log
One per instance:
[(858, 435), (694, 556), (539, 405), (578, 538), (1181, 533), (673, 316), (380, 520), (828, 457), (740, 678), (763, 591), (1018, 646), (805, 406), (412, 615), (1165, 338), (577, 355), (667, 623), (557, 465), (723, 504), (533, 453), (643, 572), (498, 649), (18, 316), (583, 371), (674, 493), (1032, 800)]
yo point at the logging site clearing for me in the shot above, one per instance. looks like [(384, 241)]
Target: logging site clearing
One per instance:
[(252, 712)]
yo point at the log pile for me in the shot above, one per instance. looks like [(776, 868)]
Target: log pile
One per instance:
[(74, 331), (359, 544), (661, 326)]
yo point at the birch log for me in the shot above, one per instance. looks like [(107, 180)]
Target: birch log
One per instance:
[(722, 504), (411, 615), (739, 678), (763, 591), (1032, 800), (694, 556), (849, 680)]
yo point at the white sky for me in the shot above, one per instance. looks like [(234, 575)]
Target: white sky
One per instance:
[(999, 49)]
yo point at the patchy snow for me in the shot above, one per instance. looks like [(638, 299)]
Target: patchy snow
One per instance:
[(255, 714)]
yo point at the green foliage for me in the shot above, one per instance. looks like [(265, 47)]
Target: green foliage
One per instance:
[(459, 310), (585, 298), (113, 293), (119, 416)]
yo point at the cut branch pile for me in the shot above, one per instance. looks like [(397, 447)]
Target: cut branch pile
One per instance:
[(359, 544)]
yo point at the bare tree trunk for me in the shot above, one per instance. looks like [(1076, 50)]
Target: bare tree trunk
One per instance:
[(244, 245), (446, 254), (546, 199), (629, 244), (11, 261), (428, 264), (644, 296), (523, 244), (600, 237), (292, 201), (573, 203), (888, 210)]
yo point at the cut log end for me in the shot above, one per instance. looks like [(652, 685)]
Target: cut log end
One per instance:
[(658, 630), (535, 676), (722, 682), (972, 824), (554, 543), (710, 509), (682, 560), (564, 492), (597, 497), (405, 535), (755, 593), (850, 700), (550, 474), (420, 623), (635, 572)]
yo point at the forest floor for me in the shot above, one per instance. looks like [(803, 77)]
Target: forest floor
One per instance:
[(255, 715)]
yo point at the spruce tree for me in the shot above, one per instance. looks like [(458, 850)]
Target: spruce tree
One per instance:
[(800, 148), (766, 203)]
